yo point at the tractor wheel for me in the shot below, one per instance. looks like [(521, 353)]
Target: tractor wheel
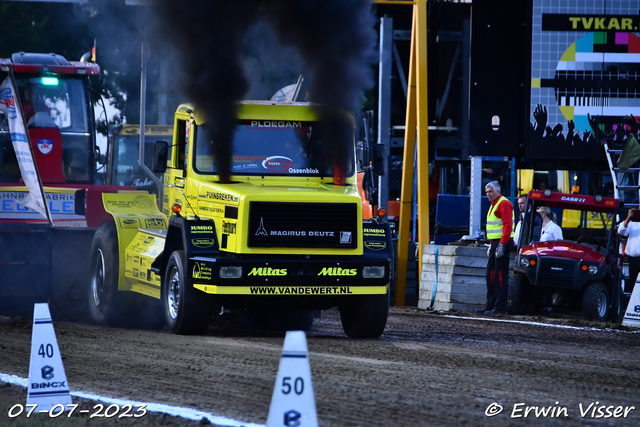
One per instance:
[(595, 302), (106, 305), (365, 316), (187, 311), (517, 300)]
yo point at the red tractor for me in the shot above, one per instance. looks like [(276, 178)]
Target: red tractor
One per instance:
[(581, 272), (40, 262)]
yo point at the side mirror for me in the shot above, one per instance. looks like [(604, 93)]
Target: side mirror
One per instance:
[(99, 157), (379, 160), (160, 150)]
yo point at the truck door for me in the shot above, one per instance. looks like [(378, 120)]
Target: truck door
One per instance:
[(174, 179)]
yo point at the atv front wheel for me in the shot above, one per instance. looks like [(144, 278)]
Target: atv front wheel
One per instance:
[(517, 300), (595, 302)]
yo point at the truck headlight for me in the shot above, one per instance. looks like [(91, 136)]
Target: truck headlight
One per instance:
[(230, 272), (593, 269), (373, 272), (524, 262)]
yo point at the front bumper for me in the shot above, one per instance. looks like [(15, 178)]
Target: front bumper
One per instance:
[(290, 277)]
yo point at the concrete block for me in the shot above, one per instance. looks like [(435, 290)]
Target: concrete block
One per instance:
[(471, 262), (469, 280), (466, 307), (442, 259), (466, 289), (469, 251), (468, 299), (442, 286), (427, 276)]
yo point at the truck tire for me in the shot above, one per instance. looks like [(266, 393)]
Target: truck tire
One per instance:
[(365, 316), (595, 302), (106, 305), (187, 311), (517, 300)]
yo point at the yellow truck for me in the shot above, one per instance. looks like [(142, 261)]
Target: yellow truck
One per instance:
[(284, 236)]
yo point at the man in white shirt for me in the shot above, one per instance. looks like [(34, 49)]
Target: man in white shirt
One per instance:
[(631, 229), (522, 205)]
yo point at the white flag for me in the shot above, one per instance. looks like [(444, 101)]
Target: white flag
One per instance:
[(35, 199)]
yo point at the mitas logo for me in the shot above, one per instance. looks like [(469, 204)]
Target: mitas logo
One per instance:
[(268, 271), (277, 163), (338, 271)]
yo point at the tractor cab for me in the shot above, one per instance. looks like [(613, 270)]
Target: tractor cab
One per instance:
[(58, 113), (581, 272)]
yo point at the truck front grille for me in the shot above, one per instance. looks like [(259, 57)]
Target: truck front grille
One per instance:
[(303, 225)]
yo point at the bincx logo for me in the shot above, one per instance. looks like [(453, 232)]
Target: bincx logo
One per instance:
[(292, 418), (47, 372), (261, 230)]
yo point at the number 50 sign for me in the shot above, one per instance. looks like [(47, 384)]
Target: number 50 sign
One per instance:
[(293, 403)]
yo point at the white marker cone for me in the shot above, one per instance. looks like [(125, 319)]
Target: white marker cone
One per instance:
[(293, 403), (632, 315), (47, 381)]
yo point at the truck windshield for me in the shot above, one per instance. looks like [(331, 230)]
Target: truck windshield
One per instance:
[(263, 147), (58, 103)]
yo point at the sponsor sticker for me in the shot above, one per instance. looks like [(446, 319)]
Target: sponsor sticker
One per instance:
[(375, 246), (202, 243), (129, 222), (277, 163), (154, 223), (201, 271), (45, 145)]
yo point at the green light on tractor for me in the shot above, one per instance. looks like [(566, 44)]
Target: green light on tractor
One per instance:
[(50, 81)]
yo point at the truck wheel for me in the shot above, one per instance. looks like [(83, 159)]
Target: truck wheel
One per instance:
[(595, 302), (106, 304), (187, 310), (517, 301), (365, 316)]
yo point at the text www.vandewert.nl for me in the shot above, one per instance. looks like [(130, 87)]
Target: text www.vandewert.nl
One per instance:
[(285, 290)]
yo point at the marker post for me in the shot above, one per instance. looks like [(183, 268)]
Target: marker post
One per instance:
[(47, 380), (293, 403)]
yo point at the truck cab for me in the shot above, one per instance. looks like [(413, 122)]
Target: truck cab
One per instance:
[(284, 233)]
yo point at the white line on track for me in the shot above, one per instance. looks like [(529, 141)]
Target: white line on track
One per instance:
[(548, 325), (176, 411)]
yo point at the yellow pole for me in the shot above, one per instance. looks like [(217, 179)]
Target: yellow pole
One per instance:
[(407, 173), (422, 129)]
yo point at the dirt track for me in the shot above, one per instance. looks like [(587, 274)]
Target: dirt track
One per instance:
[(427, 369)]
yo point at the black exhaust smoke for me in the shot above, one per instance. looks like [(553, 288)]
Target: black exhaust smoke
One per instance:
[(335, 38)]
